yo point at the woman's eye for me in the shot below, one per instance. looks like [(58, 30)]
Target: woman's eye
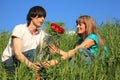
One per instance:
[(80, 24)]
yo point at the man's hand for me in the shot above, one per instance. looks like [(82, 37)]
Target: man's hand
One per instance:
[(49, 63), (35, 66)]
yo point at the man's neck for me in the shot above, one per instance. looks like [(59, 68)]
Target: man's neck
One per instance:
[(32, 29)]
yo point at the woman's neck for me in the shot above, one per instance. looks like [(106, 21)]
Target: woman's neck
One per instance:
[(82, 36)]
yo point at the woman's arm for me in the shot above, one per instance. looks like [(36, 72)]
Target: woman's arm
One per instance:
[(85, 44), (65, 55), (54, 50), (69, 54)]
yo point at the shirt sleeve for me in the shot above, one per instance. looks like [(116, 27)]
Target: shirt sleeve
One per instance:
[(93, 37), (79, 41), (18, 31)]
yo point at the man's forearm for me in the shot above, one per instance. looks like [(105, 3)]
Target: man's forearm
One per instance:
[(23, 59)]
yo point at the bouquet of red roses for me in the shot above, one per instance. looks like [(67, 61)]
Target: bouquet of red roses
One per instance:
[(54, 34)]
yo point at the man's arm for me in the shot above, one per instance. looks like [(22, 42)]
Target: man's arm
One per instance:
[(18, 53)]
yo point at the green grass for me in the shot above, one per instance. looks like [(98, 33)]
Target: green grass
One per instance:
[(74, 69)]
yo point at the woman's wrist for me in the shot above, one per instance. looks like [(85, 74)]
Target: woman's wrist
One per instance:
[(62, 53), (75, 49), (58, 51)]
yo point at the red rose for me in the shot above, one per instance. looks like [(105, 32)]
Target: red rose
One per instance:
[(53, 26), (57, 28), (61, 30)]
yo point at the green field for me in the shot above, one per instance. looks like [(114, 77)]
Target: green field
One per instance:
[(107, 69)]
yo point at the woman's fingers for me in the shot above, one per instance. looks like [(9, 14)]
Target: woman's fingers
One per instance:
[(52, 51), (52, 48), (65, 56)]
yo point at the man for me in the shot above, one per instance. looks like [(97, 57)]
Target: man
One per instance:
[(24, 40)]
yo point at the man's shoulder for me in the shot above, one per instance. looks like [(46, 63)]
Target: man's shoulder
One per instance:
[(21, 25)]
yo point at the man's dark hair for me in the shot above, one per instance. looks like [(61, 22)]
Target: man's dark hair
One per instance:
[(35, 11)]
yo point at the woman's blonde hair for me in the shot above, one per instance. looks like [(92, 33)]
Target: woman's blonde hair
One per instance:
[(90, 28)]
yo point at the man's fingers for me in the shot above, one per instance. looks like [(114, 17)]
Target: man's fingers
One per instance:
[(45, 64)]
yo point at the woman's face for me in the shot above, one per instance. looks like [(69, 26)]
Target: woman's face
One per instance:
[(81, 28)]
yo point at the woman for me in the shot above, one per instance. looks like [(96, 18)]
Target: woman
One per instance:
[(90, 42)]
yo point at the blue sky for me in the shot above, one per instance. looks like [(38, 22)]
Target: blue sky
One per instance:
[(13, 12)]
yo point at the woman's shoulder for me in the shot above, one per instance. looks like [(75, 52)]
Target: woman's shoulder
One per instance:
[(92, 35)]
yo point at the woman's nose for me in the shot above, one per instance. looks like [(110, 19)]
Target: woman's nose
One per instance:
[(78, 26)]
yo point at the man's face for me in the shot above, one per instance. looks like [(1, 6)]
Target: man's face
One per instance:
[(38, 21)]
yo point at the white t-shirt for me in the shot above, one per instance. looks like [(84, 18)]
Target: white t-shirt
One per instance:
[(29, 41)]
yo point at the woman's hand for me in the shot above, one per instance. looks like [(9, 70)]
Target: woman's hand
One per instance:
[(52, 48), (64, 57), (68, 55)]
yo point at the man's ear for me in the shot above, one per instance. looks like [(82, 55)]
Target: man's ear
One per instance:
[(31, 18)]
